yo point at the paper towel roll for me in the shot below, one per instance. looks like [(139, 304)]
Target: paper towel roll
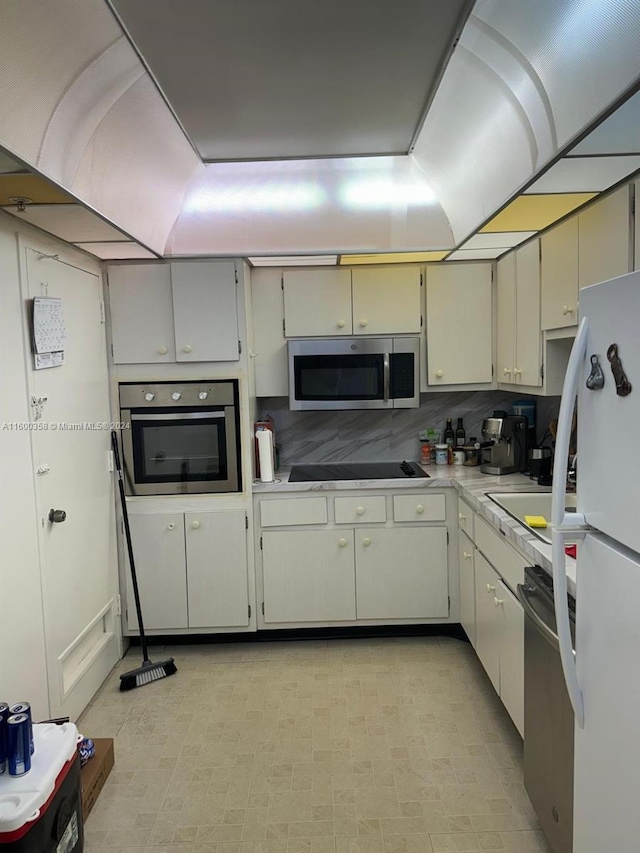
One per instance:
[(265, 455)]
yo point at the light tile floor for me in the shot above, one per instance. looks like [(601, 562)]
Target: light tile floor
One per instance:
[(349, 746)]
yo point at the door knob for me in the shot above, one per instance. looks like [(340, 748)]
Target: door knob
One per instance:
[(366, 542), (364, 323), (498, 602), (340, 324), (162, 350), (57, 515), (186, 348), (439, 373), (342, 543), (490, 588), (360, 510), (419, 509), (195, 525)]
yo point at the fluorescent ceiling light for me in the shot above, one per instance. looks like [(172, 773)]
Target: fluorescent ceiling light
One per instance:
[(498, 240), (384, 192), (270, 197), (116, 251), (394, 258), (577, 174), (477, 254), (535, 212), (294, 260)]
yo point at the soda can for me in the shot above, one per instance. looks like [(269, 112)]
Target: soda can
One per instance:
[(4, 715), (19, 754), (25, 708)]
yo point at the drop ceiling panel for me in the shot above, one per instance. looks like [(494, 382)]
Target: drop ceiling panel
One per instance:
[(477, 254), (619, 134), (33, 187), (284, 79), (580, 174), (294, 261), (498, 240), (534, 212), (8, 164), (70, 222), (394, 258), (116, 251)]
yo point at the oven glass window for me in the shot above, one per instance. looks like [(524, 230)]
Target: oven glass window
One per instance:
[(179, 447), (339, 377)]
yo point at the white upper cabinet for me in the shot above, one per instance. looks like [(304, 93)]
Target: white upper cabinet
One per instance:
[(604, 239), (205, 310), (386, 301), (527, 316), (506, 296), (317, 303), (559, 275), (141, 313), (459, 324)]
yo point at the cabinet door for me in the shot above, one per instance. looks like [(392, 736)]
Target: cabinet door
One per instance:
[(308, 575), (467, 587), (158, 547), (604, 239), (205, 310), (402, 573), (528, 335), (510, 618), (459, 339), (386, 301), (141, 313), (559, 275), (217, 569), (270, 347), (487, 623), (506, 296), (317, 302)]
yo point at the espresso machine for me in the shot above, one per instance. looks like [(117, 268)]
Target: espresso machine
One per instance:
[(504, 445)]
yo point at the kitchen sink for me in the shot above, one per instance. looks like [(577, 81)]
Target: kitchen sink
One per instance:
[(519, 504)]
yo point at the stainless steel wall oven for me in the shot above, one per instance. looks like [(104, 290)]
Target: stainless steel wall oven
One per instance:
[(181, 438)]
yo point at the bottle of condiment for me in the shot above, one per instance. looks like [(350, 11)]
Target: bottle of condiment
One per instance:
[(460, 434), (442, 454), (449, 434)]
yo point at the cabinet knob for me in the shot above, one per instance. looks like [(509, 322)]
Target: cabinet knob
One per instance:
[(342, 543), (439, 373), (420, 509), (364, 323), (466, 555), (507, 371), (490, 588), (195, 525), (162, 350), (517, 371), (340, 324), (366, 542), (360, 510), (170, 526), (567, 309), (498, 602), (461, 517), (186, 348)]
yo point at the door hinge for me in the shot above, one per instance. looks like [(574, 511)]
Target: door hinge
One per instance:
[(540, 250), (102, 317), (542, 372), (261, 543), (249, 609), (239, 346), (492, 370), (263, 608), (111, 350), (235, 272), (449, 602), (421, 282), (284, 330), (447, 537), (246, 521), (492, 273), (421, 321), (118, 606), (282, 283)]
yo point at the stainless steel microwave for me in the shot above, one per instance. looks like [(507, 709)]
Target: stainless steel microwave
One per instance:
[(354, 373)]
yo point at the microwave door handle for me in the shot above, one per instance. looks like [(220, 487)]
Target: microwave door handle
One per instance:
[(386, 376)]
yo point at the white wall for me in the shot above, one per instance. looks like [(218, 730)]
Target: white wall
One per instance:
[(22, 646)]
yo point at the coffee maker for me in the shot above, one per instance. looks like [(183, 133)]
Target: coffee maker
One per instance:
[(504, 445)]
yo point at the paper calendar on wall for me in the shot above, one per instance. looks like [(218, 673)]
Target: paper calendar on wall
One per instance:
[(49, 335)]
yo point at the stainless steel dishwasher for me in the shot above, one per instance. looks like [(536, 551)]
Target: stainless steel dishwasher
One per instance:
[(548, 715)]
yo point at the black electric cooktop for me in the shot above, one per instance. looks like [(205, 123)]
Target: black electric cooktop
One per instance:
[(356, 471)]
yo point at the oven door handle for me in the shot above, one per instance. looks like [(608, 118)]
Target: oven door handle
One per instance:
[(178, 416), (386, 375), (541, 626)]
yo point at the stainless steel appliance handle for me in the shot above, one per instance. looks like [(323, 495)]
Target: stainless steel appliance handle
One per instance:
[(386, 376), (541, 626), (178, 416)]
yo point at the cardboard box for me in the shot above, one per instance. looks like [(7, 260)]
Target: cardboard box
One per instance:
[(95, 773)]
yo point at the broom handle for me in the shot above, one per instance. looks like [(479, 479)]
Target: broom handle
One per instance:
[(127, 530)]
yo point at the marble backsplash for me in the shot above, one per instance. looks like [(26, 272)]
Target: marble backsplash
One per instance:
[(365, 436)]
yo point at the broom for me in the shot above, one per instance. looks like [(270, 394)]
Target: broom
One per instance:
[(149, 671)]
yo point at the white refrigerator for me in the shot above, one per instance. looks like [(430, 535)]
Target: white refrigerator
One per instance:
[(603, 675)]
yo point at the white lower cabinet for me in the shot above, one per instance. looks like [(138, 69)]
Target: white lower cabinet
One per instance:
[(401, 573), (467, 587), (308, 575), (487, 628)]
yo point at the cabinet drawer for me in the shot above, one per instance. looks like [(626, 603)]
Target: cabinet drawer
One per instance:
[(465, 519), (364, 510), (293, 511), (504, 559), (418, 507)]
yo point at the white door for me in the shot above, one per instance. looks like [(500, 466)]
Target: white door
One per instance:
[(487, 626), (506, 296), (604, 239), (205, 310), (559, 275), (217, 569), (308, 575), (510, 617), (79, 555), (386, 301), (459, 324), (607, 749), (467, 587), (317, 302), (141, 313), (528, 335), (401, 573), (159, 554)]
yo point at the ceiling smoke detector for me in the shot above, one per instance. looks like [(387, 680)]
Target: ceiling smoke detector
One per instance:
[(20, 202)]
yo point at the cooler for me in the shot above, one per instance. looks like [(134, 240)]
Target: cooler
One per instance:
[(41, 812)]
